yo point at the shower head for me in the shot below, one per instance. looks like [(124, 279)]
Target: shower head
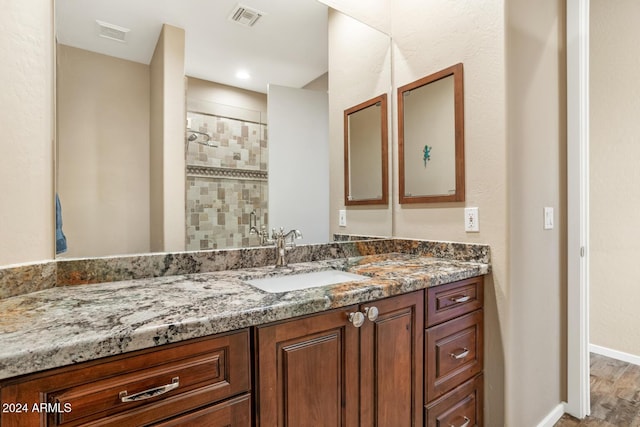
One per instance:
[(200, 138)]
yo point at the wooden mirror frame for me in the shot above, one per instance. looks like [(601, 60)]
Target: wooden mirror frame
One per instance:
[(459, 195), (384, 149)]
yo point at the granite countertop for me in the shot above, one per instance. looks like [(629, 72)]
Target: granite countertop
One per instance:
[(72, 324)]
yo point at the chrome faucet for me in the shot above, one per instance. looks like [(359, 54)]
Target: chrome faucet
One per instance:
[(280, 240), (263, 234)]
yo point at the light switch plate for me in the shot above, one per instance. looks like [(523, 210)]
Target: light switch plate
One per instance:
[(548, 218), (471, 220), (342, 217)]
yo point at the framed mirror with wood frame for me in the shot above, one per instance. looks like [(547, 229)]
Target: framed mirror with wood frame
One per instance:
[(431, 138), (366, 153)]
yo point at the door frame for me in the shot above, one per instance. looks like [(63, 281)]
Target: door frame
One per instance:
[(578, 389)]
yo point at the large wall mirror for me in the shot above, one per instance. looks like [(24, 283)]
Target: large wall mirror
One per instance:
[(106, 147), (431, 138), (366, 153)]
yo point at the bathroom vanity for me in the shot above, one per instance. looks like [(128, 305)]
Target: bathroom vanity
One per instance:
[(402, 347)]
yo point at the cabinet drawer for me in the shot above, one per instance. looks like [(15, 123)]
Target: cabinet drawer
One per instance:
[(453, 353), (158, 384), (235, 412), (446, 302), (460, 407)]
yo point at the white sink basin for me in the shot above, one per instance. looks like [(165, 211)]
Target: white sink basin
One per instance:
[(304, 280)]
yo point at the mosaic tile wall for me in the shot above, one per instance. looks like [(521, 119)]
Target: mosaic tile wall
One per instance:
[(240, 144), (219, 209), (225, 183)]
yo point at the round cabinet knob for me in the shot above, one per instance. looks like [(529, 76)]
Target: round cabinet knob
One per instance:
[(372, 313), (357, 319)]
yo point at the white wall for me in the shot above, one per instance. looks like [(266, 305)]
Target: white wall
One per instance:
[(614, 175), (375, 13), (26, 132), (299, 162)]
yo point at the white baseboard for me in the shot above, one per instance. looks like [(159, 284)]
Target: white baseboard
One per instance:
[(553, 416), (615, 354)]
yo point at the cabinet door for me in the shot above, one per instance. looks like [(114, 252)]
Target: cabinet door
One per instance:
[(308, 372), (392, 362)]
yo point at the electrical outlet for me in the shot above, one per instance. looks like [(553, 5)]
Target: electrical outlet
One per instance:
[(548, 218), (342, 217), (471, 220)]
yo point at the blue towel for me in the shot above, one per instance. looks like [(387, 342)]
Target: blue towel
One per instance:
[(61, 240)]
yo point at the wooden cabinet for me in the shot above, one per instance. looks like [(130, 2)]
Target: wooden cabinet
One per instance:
[(410, 360), (321, 370), (454, 354), (391, 350), (142, 388)]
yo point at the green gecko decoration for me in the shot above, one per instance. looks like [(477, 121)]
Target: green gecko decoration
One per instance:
[(426, 151)]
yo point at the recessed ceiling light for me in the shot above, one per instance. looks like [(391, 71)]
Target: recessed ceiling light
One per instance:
[(243, 75)]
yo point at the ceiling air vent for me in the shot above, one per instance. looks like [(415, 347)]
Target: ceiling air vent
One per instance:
[(245, 15), (112, 32)]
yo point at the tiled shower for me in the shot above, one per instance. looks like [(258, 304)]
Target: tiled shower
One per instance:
[(225, 182)]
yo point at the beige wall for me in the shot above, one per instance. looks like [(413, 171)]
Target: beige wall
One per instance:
[(358, 71), (365, 161), (103, 152), (472, 33), (167, 131), (513, 59), (614, 175), (320, 83), (214, 98), (429, 118), (511, 174), (536, 105), (26, 132)]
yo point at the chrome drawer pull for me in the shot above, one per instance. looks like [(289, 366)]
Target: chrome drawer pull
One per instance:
[(466, 422), (465, 352), (460, 298), (152, 392)]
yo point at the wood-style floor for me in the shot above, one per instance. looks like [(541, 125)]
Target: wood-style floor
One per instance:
[(615, 395)]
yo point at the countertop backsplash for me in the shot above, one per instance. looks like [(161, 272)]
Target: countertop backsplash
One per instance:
[(23, 279)]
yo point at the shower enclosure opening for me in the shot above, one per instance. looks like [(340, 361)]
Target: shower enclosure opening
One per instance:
[(226, 177)]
